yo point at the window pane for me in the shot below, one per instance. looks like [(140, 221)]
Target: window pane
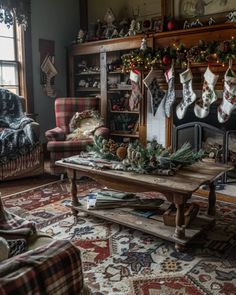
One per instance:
[(7, 51), (5, 31), (13, 89), (8, 74)]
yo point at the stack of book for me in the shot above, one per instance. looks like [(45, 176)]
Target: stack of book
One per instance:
[(114, 199)]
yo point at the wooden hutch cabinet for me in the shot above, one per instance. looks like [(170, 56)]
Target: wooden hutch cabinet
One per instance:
[(95, 70)]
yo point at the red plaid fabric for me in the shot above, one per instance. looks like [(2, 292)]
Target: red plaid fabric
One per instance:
[(52, 269), (66, 146), (55, 134), (65, 108)]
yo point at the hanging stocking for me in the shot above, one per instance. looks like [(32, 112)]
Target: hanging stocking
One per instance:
[(136, 95), (229, 95), (156, 93), (170, 95), (202, 107), (188, 95)]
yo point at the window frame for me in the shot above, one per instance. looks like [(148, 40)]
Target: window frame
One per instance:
[(23, 48)]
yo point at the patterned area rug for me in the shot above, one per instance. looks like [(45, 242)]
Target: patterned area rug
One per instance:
[(119, 261)]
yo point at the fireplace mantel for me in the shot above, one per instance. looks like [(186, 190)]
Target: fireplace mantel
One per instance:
[(191, 37)]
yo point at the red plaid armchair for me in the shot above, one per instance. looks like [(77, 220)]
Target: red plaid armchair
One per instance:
[(57, 144), (31, 262)]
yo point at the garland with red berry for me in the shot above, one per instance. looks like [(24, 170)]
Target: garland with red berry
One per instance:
[(215, 52)]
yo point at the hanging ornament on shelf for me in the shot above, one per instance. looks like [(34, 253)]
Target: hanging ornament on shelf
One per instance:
[(171, 25)]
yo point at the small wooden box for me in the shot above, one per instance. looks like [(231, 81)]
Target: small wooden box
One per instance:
[(190, 212)]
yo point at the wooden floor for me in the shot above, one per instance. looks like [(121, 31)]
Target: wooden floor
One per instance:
[(14, 186)]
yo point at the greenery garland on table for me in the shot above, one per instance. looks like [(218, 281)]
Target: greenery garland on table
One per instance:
[(219, 52), (154, 159)]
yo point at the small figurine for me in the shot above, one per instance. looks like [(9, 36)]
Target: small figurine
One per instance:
[(186, 25), (109, 18), (143, 45), (196, 23), (211, 21), (115, 34), (80, 37), (132, 31), (231, 17)]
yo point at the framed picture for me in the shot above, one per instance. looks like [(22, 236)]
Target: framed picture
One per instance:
[(157, 24), (202, 9)]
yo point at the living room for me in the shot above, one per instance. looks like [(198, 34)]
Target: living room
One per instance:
[(117, 147)]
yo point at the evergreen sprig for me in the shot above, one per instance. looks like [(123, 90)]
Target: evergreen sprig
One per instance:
[(149, 160)]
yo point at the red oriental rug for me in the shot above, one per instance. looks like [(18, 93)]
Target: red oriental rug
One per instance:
[(122, 261)]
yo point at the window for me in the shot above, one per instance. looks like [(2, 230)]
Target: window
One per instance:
[(11, 76)]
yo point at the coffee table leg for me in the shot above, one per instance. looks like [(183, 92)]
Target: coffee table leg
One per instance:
[(180, 227), (212, 200), (73, 190)]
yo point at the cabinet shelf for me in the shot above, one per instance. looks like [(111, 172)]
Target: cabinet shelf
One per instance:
[(125, 112), (88, 89), (114, 87), (124, 134), (87, 73), (116, 72), (118, 89)]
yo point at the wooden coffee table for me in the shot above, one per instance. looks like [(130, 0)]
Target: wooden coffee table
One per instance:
[(177, 189)]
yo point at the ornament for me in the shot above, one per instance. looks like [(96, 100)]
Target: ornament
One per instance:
[(171, 25), (186, 25), (166, 60), (211, 21), (102, 131), (143, 45), (231, 17)]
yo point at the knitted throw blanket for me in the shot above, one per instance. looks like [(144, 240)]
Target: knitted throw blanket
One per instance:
[(16, 132)]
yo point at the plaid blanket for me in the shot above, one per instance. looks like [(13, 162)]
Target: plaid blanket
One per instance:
[(52, 269), (15, 230), (16, 135)]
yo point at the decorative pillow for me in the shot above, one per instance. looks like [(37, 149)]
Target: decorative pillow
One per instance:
[(82, 125)]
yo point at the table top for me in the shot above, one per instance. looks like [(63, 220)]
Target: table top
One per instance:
[(186, 180)]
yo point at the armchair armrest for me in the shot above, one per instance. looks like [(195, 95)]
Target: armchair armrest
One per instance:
[(36, 129), (55, 134)]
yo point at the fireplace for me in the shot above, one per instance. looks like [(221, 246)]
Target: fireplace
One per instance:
[(218, 140)]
